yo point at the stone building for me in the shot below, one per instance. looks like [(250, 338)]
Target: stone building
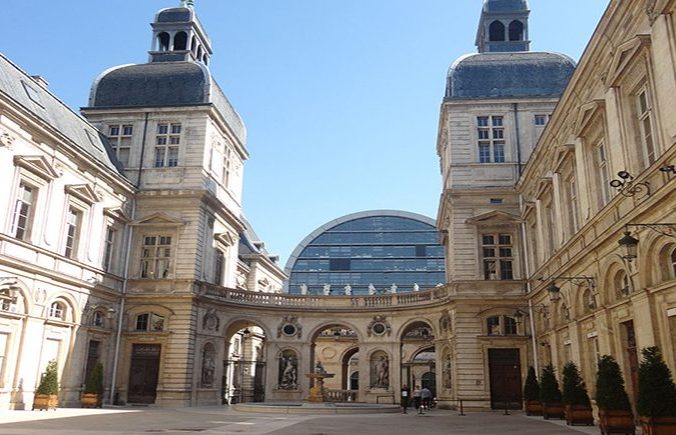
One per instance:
[(604, 170)]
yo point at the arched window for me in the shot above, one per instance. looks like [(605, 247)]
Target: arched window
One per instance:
[(493, 325), (510, 326), (181, 41), (621, 284), (668, 263), (205, 59), (193, 45), (149, 322), (97, 318), (163, 41), (496, 31), (199, 53), (516, 31), (57, 310)]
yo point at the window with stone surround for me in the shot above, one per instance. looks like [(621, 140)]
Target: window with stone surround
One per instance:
[(109, 247), (119, 137), (149, 322), (227, 167), (602, 173), (491, 139), (501, 325), (167, 142), (497, 256), (73, 231), (572, 205), (156, 256), (24, 211), (645, 125)]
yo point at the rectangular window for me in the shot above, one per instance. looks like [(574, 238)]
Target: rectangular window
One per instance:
[(119, 137), (23, 212), (92, 356), (227, 166), (645, 125), (167, 141), (497, 256), (339, 264), (540, 120), (142, 322), (572, 206), (109, 248), (491, 136), (219, 267), (156, 257), (602, 173), (73, 228)]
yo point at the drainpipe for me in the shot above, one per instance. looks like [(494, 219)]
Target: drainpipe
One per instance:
[(528, 290), (125, 283), (515, 107)]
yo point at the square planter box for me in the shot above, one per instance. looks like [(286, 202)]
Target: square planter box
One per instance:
[(658, 425), (553, 410), (616, 422), (533, 407), (45, 401), (579, 415)]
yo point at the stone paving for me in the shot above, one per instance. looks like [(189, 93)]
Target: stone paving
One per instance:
[(219, 420)]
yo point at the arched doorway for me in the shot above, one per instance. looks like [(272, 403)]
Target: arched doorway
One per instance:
[(334, 347), (244, 364), (418, 356)]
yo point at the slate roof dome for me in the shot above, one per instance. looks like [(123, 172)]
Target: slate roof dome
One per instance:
[(505, 5), (509, 75), (175, 15), (163, 84)]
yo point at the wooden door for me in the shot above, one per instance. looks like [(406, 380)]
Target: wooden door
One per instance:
[(143, 373), (505, 378)]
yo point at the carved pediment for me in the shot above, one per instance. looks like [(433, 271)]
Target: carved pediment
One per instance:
[(587, 113), (624, 56), (83, 192), (544, 184), (226, 238), (38, 165), (117, 213), (563, 153), (159, 219), (494, 217)]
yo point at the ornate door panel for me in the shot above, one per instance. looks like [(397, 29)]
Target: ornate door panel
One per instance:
[(505, 378), (143, 373)]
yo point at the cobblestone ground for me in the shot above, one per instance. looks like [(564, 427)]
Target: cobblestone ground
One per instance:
[(217, 420)]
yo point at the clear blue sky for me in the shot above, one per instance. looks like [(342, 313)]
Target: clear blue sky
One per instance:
[(340, 97)]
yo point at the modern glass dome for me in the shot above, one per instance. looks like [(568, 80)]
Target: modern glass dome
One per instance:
[(378, 249)]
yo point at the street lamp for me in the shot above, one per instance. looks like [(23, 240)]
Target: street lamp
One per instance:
[(554, 292), (630, 246)]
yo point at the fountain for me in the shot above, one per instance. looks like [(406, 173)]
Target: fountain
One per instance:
[(317, 389)]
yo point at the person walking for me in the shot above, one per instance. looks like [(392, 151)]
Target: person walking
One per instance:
[(405, 396), (417, 399), (426, 398)]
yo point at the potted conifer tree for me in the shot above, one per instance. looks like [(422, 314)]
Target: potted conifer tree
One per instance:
[(656, 403), (550, 394), (47, 393), (575, 397), (531, 394), (615, 414), (93, 392)]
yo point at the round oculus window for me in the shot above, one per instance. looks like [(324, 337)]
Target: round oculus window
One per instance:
[(289, 329), (379, 328)]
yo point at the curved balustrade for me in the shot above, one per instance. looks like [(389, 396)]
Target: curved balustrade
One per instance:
[(244, 297)]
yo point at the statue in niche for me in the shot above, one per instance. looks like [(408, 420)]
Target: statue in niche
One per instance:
[(303, 289), (327, 289), (447, 371), (208, 367), (372, 289), (288, 371), (380, 372), (348, 290)]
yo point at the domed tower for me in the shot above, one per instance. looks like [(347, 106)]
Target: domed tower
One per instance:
[(183, 145), (497, 103)]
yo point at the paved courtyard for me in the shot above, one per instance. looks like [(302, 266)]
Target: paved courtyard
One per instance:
[(218, 420)]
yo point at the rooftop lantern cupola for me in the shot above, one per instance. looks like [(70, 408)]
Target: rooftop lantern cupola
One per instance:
[(503, 26), (178, 36)]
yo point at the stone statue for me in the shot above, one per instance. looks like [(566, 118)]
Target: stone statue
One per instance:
[(208, 368), (327, 289), (348, 290), (393, 288), (288, 379), (303, 289), (416, 287), (381, 370), (372, 289)]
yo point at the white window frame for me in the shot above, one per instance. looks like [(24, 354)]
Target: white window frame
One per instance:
[(645, 119), (497, 258), (120, 138), (491, 135), (167, 144), (76, 248), (156, 255), (19, 203)]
